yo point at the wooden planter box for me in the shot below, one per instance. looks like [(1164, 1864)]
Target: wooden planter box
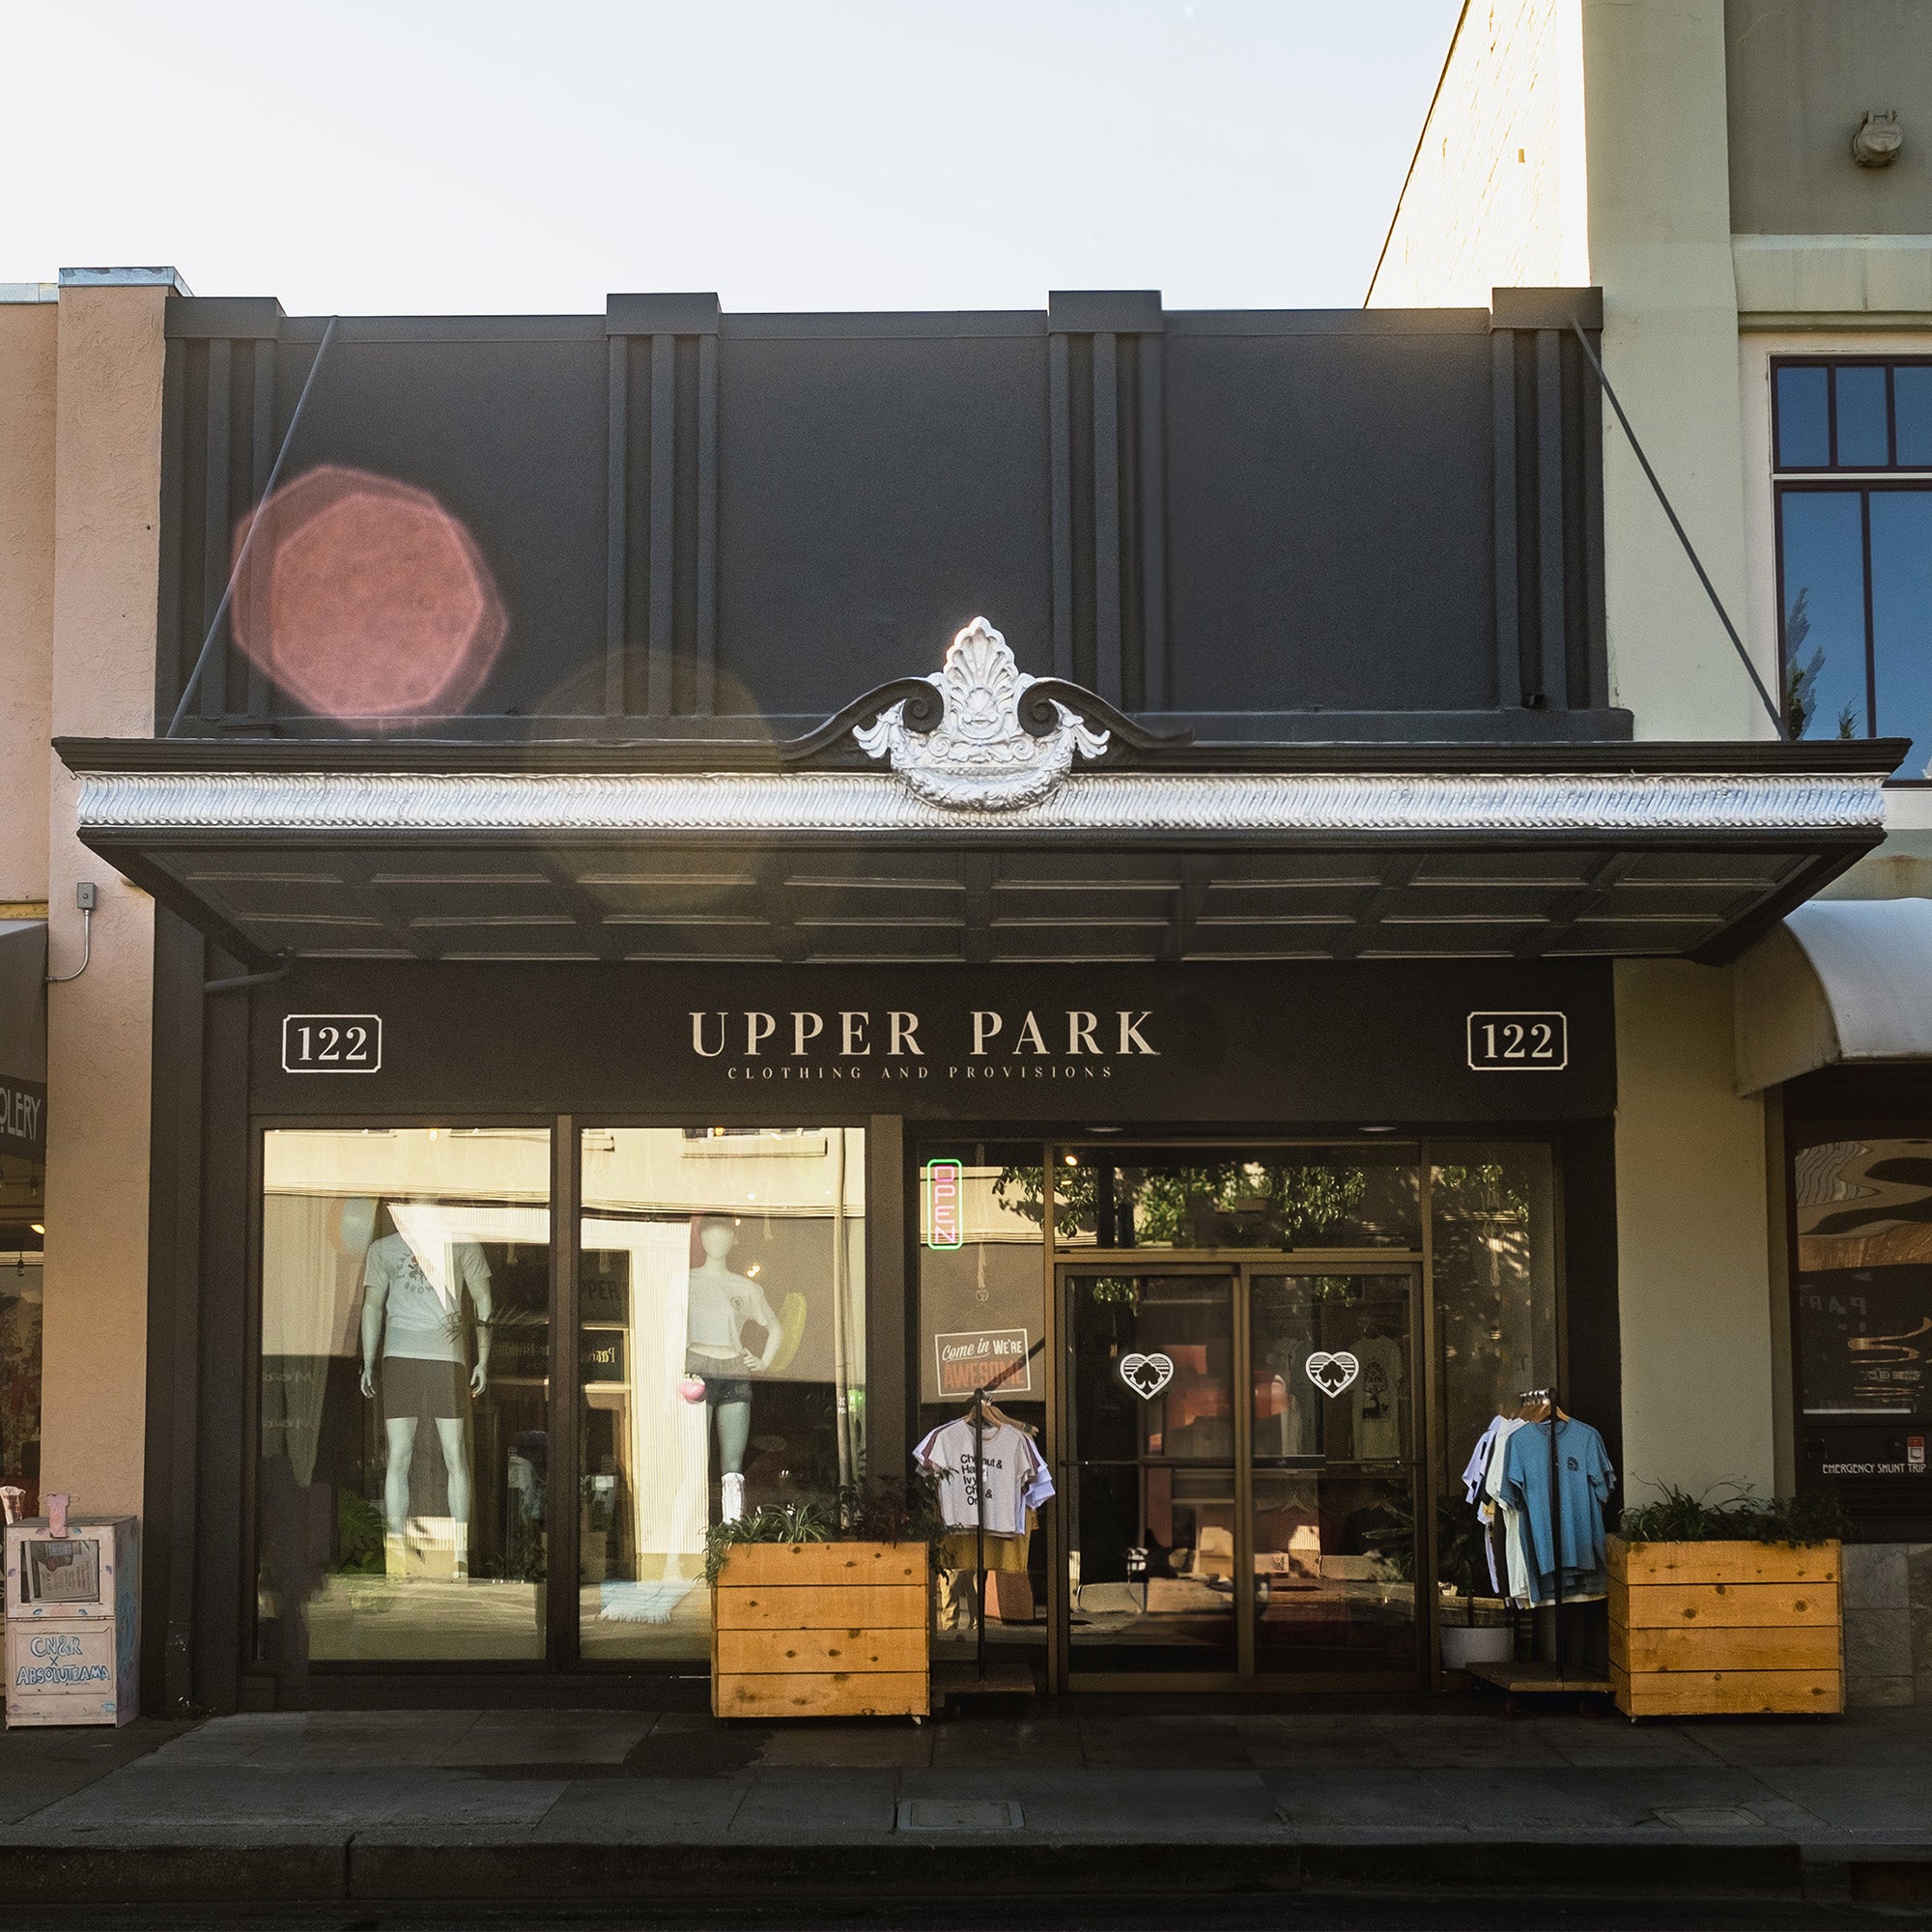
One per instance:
[(1698, 1628), (822, 1630)]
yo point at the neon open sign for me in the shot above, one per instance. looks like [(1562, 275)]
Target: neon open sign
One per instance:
[(944, 1204)]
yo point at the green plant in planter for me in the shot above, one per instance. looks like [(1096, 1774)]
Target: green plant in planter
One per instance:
[(775, 1523), (878, 1511), (871, 1512), (1730, 1513)]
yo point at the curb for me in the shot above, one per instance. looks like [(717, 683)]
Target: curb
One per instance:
[(637, 1873)]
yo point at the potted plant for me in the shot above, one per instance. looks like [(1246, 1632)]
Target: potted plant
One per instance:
[(1727, 1605), (1461, 1564), (820, 1612), (1458, 1565)]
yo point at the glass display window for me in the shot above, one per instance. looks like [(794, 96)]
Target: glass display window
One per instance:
[(982, 1326), (406, 1294), (477, 1447), (1861, 1195), (1862, 1289), (720, 1359)]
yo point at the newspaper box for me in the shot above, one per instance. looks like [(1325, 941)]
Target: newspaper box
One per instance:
[(74, 1621)]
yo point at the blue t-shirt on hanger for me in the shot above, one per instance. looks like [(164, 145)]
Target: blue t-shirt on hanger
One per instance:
[(1584, 1480)]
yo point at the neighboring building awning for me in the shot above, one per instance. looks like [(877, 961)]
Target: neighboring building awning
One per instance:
[(23, 1038), (979, 814), (1839, 982)]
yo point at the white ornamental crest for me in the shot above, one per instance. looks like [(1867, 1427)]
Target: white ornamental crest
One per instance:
[(980, 756)]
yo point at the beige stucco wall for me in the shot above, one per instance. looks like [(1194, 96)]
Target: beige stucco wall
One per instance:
[(1804, 72), (1618, 109), (1692, 1238), (106, 514), (27, 345), (1661, 248), (1495, 193)]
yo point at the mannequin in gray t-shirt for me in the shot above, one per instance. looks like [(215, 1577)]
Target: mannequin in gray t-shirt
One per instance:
[(412, 1317)]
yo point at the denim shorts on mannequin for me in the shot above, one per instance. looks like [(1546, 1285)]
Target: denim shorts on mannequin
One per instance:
[(717, 1387)]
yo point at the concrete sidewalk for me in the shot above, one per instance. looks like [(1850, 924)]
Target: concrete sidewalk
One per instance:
[(607, 1804)]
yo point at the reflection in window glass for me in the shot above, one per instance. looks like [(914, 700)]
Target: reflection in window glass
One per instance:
[(1803, 418), (1863, 442), (1912, 413), (1824, 614), (1863, 1287), (1283, 1198), (405, 1338), (1901, 591), (721, 1358), (1491, 1232)]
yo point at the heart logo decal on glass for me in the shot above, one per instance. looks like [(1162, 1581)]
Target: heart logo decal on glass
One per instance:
[(1147, 1375), (1332, 1373)]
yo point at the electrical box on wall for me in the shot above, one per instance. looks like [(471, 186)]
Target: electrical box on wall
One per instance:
[(74, 1621)]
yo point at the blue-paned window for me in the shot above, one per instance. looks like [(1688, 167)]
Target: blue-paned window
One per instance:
[(1853, 443)]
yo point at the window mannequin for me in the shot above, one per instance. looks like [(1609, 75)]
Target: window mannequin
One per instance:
[(412, 1317), (722, 1302)]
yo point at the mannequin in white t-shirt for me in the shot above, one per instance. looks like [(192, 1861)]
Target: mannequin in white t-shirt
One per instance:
[(722, 1302)]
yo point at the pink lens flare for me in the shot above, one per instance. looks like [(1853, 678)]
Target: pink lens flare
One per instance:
[(362, 597)]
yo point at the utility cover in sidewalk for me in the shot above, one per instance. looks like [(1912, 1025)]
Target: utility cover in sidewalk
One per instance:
[(1709, 1818), (959, 1814)]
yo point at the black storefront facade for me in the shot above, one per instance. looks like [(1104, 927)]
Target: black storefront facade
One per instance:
[(657, 1072)]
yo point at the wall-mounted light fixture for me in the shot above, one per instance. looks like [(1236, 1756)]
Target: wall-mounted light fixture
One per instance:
[(1878, 139)]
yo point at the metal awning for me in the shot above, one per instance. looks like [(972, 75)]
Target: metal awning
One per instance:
[(454, 852), (978, 814), (23, 1038), (1839, 982)]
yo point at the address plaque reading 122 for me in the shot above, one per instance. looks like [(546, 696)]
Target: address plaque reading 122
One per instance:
[(1518, 1042), (332, 1043)]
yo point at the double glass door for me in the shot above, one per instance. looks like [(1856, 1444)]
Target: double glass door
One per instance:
[(1239, 1459)]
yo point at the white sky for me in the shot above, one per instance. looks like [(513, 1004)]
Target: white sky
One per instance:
[(420, 156)]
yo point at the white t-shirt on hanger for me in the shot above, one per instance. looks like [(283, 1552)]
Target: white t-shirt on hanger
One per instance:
[(1518, 1579), (1016, 1476)]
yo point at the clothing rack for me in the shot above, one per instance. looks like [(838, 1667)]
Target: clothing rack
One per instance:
[(977, 1411), (1532, 1679)]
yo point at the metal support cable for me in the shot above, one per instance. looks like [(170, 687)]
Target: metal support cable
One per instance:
[(1771, 710), (243, 982), (193, 683)]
